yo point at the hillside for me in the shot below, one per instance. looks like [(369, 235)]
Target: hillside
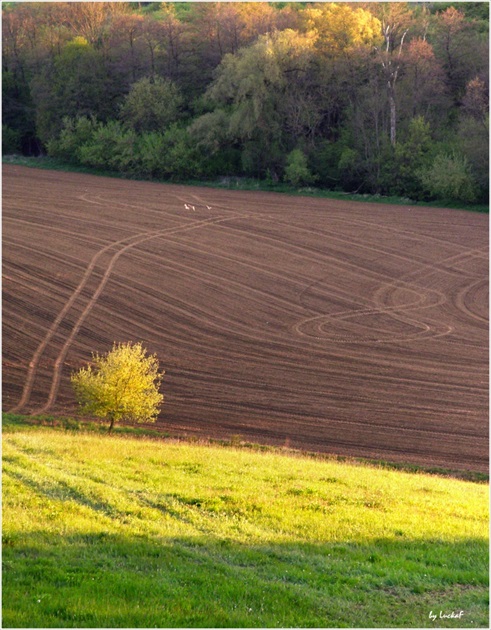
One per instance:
[(115, 531), (333, 326)]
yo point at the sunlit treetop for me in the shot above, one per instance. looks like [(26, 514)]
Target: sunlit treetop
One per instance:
[(340, 28)]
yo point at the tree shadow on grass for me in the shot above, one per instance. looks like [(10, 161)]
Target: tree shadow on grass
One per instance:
[(111, 580)]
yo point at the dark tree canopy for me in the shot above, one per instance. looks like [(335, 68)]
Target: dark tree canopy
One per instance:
[(264, 90)]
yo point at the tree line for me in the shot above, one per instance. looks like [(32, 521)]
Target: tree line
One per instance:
[(388, 98)]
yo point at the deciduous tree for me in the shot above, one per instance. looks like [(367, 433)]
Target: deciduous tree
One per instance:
[(339, 28), (257, 84), (297, 171), (473, 132), (122, 384), (151, 105), (76, 84), (422, 82), (396, 20), (450, 177), (461, 47)]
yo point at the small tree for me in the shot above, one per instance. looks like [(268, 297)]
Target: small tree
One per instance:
[(122, 384), (75, 133), (111, 146), (152, 104), (297, 171), (450, 177)]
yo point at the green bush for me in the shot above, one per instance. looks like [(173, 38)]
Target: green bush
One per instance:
[(324, 162), (351, 170), (473, 142), (297, 171), (172, 154), (450, 178), (211, 130), (10, 140), (412, 155), (75, 133), (152, 104), (111, 147), (183, 158), (151, 150)]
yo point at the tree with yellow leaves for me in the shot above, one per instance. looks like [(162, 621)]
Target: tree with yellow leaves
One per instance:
[(339, 28), (122, 384)]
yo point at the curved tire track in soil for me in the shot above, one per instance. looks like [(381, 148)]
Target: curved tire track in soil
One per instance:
[(54, 326), (220, 306), (427, 298), (135, 240), (466, 297)]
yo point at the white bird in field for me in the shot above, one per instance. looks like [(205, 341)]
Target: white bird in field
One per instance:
[(208, 207), (193, 208), (186, 206)]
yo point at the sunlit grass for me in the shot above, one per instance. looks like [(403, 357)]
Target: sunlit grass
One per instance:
[(117, 531)]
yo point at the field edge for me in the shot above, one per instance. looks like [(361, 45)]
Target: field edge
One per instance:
[(242, 184), (60, 422)]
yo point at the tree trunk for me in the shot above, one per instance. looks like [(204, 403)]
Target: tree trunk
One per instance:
[(111, 424), (392, 107)]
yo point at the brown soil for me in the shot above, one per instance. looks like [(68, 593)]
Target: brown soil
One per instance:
[(346, 328)]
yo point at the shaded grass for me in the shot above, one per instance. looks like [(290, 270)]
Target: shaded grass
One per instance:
[(126, 581), (245, 183), (103, 531)]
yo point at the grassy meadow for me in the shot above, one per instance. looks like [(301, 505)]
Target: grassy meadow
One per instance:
[(125, 531)]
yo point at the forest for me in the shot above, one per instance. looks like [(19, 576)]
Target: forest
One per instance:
[(379, 98)]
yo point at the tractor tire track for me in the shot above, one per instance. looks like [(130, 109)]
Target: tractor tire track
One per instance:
[(218, 306), (133, 241)]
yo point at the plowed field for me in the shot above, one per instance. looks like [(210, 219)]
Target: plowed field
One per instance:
[(353, 329)]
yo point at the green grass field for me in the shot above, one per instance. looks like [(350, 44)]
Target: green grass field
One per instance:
[(124, 531)]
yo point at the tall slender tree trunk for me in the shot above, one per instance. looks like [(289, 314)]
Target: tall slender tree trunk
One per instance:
[(392, 108), (391, 63)]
